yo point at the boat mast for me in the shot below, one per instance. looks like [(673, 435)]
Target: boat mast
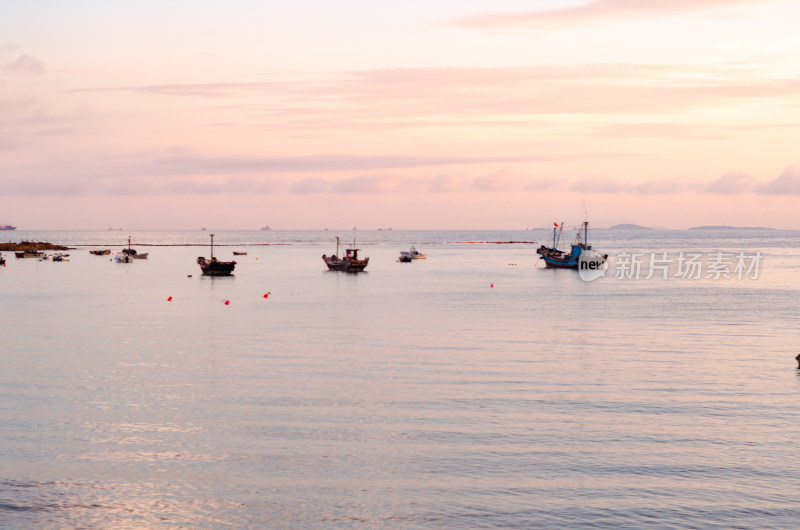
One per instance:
[(129, 242), (560, 229), (212, 247), (586, 233), (554, 237), (337, 246)]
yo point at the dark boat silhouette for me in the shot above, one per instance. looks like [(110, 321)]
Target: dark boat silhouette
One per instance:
[(214, 267)]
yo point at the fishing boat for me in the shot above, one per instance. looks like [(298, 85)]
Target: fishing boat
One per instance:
[(101, 252), (132, 251), (405, 257), (348, 263), (559, 259), (123, 258), (214, 267), (7, 227), (29, 254), (417, 255), (2, 260), (239, 253)]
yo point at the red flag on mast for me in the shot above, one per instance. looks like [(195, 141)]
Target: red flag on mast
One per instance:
[(555, 224)]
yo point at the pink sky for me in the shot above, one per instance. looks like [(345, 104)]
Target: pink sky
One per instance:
[(495, 115)]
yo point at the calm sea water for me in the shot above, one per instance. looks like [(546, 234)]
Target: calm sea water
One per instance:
[(473, 389)]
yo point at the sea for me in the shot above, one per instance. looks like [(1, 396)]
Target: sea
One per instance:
[(471, 389)]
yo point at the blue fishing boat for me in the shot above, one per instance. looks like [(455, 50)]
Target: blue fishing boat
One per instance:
[(558, 259)]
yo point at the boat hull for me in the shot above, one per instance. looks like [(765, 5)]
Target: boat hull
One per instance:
[(213, 267), (346, 265)]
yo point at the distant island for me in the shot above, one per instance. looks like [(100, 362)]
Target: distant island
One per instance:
[(725, 227), (629, 226)]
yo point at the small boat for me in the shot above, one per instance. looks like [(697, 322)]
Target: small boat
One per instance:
[(123, 258), (101, 252), (7, 227), (348, 263), (405, 257), (2, 260), (558, 259), (214, 267), (132, 252), (266, 227), (58, 256), (239, 253), (29, 254), (417, 255)]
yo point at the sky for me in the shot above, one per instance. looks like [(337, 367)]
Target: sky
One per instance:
[(469, 114)]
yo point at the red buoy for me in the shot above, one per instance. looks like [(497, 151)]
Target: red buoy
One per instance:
[(227, 302), (169, 299)]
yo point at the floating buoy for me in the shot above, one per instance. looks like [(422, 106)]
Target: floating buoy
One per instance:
[(491, 285), (188, 275), (266, 295), (169, 299), (227, 302)]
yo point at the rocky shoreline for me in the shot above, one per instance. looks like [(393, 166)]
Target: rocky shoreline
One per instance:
[(30, 245)]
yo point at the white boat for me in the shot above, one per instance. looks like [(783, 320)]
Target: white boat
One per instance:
[(123, 258), (417, 255)]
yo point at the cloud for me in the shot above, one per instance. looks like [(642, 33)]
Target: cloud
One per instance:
[(660, 187), (486, 98), (730, 184), (591, 12), (25, 64), (787, 183), (600, 185), (499, 181), (310, 185), (367, 184), (446, 183), (195, 164)]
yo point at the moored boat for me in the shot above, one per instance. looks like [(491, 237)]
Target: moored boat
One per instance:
[(7, 227), (101, 252), (405, 257), (214, 267), (133, 253), (417, 255), (29, 254), (348, 263), (559, 259)]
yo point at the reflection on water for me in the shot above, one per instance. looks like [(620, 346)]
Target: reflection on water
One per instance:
[(415, 396)]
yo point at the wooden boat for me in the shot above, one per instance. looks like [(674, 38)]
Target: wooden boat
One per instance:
[(133, 253), (29, 254), (558, 259), (348, 263), (417, 255), (239, 253), (2, 260), (101, 252), (214, 267), (405, 257)]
